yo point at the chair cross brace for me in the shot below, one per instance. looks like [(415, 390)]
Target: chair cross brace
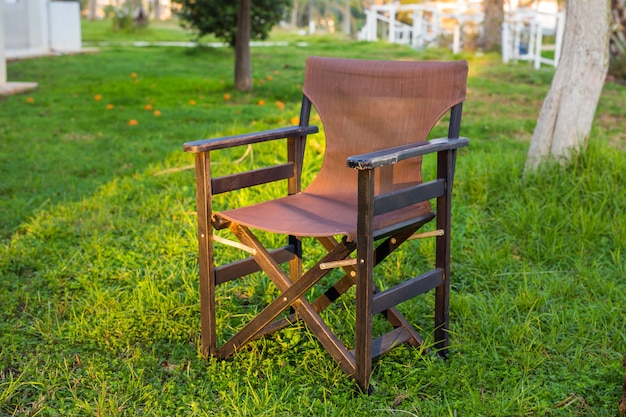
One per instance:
[(293, 295)]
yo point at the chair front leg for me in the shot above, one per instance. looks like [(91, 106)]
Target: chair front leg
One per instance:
[(445, 170), (205, 254), (364, 278)]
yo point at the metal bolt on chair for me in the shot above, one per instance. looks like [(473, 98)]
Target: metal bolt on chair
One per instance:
[(367, 200)]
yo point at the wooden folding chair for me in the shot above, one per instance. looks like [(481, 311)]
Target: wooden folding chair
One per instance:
[(376, 116)]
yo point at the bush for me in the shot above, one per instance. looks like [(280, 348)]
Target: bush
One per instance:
[(219, 17), (127, 17)]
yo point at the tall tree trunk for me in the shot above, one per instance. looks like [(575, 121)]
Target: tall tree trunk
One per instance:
[(568, 110), (617, 43), (157, 10), (92, 7), (491, 36), (294, 15), (243, 71), (347, 14)]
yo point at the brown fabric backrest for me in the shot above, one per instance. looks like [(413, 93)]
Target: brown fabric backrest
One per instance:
[(370, 105)]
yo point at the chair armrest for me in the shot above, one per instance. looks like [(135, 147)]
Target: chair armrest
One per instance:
[(205, 145), (393, 155)]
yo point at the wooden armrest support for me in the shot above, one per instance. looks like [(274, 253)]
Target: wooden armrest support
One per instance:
[(205, 145), (393, 155)]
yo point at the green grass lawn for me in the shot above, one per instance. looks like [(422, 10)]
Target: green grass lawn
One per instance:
[(156, 31), (98, 275)]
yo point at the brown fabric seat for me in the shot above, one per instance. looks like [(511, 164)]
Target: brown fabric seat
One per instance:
[(307, 214), (376, 116)]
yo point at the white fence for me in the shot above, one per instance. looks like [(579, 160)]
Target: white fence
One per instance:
[(429, 22), (524, 35)]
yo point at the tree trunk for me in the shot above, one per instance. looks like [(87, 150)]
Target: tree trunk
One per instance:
[(346, 13), (567, 113), (157, 10), (243, 71), (617, 43), (92, 7), (491, 36), (345, 23), (294, 15)]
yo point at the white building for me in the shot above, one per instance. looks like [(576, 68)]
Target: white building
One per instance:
[(40, 27), (33, 28)]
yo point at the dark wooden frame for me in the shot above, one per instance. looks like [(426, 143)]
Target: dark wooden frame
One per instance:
[(369, 300)]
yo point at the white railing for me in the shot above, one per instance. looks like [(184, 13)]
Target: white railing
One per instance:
[(381, 23), (429, 22), (524, 33)]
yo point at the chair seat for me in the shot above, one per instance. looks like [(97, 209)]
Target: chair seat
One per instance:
[(308, 214)]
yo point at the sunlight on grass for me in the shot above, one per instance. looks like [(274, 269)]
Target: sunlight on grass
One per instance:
[(100, 311)]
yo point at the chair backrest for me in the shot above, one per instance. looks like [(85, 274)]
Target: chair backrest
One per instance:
[(368, 105)]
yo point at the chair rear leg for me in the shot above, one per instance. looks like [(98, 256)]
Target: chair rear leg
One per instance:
[(295, 265), (207, 301)]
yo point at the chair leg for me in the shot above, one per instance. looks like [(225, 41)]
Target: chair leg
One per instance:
[(205, 255), (442, 320), (363, 337), (445, 169), (295, 265), (442, 292), (207, 300), (364, 279)]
